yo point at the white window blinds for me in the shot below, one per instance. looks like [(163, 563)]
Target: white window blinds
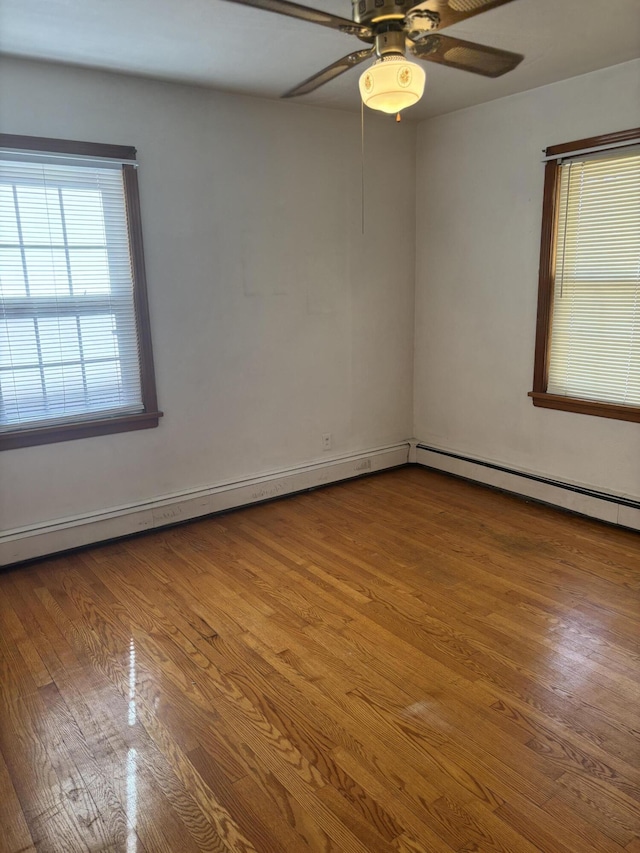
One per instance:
[(68, 337), (595, 331)]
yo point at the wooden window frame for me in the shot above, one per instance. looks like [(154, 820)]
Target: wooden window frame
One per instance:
[(150, 416), (539, 394)]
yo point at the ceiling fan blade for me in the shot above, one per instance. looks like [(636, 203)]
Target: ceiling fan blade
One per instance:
[(466, 55), (330, 72), (304, 13), (439, 14)]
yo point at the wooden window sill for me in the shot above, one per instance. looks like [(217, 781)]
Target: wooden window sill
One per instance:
[(80, 429), (585, 407)]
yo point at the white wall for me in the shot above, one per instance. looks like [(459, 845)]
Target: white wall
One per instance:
[(479, 202), (273, 319)]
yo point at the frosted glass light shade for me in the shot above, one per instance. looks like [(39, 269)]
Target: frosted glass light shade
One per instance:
[(391, 84)]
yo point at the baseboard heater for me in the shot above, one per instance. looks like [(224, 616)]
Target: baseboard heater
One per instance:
[(615, 509), (65, 534)]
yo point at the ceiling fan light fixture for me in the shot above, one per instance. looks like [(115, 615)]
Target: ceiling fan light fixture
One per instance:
[(392, 84)]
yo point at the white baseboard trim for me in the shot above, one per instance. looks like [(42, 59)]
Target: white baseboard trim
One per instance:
[(615, 509), (51, 537)]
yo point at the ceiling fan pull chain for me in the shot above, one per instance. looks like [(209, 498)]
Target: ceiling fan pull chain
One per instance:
[(398, 117), (362, 160)]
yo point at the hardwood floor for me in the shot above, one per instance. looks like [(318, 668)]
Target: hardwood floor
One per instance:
[(398, 664)]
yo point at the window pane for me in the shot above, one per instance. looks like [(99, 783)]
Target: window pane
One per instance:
[(99, 336), (64, 388), (11, 273), (40, 218), (47, 272), (8, 222), (22, 397), (83, 217), (18, 343), (102, 378), (89, 271), (59, 339)]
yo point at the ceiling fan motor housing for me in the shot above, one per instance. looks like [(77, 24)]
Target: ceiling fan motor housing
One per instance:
[(372, 11), (392, 41)]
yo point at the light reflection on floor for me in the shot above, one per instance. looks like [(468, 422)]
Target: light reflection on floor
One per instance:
[(573, 668), (132, 800), (132, 758), (132, 683)]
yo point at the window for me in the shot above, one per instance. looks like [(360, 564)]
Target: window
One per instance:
[(588, 334), (75, 345)]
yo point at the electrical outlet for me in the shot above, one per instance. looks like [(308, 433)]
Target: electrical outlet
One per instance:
[(326, 441)]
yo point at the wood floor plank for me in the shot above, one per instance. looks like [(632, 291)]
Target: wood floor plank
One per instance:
[(130, 762), (616, 814), (15, 832), (405, 663), (57, 810)]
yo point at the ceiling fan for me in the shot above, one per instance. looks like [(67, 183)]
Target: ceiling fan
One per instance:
[(389, 28)]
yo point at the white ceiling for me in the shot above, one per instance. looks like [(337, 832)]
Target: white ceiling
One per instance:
[(238, 49)]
